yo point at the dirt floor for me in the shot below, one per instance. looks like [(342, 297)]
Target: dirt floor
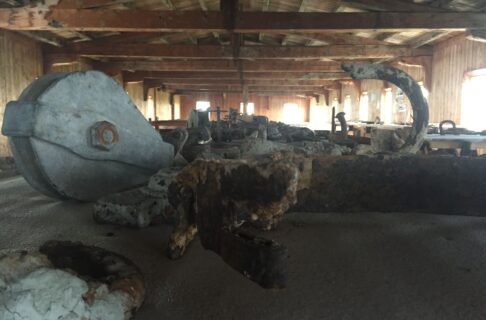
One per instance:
[(341, 266)]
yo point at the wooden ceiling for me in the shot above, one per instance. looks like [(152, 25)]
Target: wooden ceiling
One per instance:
[(246, 45)]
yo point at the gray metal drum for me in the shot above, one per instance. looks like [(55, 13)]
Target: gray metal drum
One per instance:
[(79, 136)]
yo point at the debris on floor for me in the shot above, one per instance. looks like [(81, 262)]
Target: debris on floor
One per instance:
[(66, 280), (139, 207)]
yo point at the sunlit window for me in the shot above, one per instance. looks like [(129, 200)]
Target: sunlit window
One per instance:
[(319, 117), (177, 111), (202, 105), (364, 102), (347, 106), (425, 92), (250, 108), (335, 103), (291, 113), (386, 112), (150, 108), (473, 110)]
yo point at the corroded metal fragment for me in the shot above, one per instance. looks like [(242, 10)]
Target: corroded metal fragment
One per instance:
[(432, 184), (66, 280), (229, 196), (139, 207), (409, 86)]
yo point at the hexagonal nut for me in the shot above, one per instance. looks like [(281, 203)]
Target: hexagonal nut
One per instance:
[(104, 135)]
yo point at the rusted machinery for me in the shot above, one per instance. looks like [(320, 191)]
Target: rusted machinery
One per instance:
[(79, 136)]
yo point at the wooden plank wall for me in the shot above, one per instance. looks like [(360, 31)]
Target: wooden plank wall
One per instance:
[(452, 59), (158, 97), (272, 107), (20, 63)]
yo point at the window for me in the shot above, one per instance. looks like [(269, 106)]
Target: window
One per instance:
[(250, 108), (425, 92), (318, 115), (473, 109), (150, 108), (347, 107), (202, 105), (386, 112), (291, 113), (364, 102)]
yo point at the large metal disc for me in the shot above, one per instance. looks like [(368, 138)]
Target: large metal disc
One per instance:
[(78, 135)]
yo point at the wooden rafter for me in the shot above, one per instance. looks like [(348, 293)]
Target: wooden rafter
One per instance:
[(253, 91), (249, 82), (216, 65), (239, 88), (301, 9), (247, 52), (390, 5), (140, 75), (426, 38), (339, 38), (43, 37), (246, 22)]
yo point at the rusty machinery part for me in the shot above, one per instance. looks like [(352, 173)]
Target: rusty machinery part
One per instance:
[(100, 265), (442, 131), (79, 136), (409, 86), (226, 213), (344, 125)]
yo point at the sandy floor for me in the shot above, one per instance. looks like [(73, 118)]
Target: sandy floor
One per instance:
[(366, 266)]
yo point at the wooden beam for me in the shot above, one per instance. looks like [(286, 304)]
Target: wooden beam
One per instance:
[(301, 9), (390, 5), (249, 82), (477, 35), (248, 52), (42, 18), (239, 87), (255, 92), (426, 38), (44, 37), (358, 21), (339, 38), (139, 76), (91, 4), (215, 65)]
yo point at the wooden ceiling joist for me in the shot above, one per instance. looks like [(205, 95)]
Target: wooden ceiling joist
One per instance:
[(217, 65), (237, 88), (42, 18), (390, 5), (254, 92), (249, 82), (140, 76), (248, 52)]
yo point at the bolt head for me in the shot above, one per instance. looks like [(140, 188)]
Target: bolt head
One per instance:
[(104, 135)]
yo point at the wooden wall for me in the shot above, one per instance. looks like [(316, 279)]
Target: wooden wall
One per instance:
[(272, 107), (156, 98), (20, 63), (452, 59)]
